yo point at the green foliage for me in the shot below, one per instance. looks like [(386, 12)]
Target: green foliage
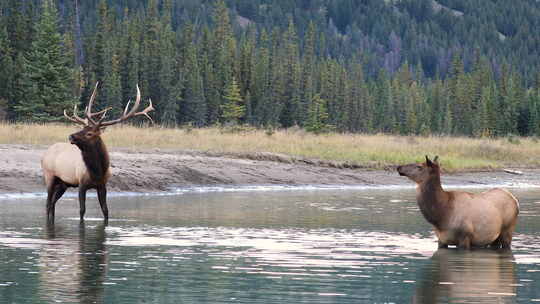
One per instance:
[(46, 74), (233, 109), (402, 68), (318, 116)]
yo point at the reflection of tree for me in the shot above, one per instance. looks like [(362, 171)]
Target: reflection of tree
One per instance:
[(72, 269), (487, 276)]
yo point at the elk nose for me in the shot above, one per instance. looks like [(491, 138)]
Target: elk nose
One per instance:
[(399, 168), (71, 139)]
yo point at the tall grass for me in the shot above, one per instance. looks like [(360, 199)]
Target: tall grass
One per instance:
[(375, 151)]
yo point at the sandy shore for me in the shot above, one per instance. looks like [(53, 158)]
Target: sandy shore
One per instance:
[(157, 170)]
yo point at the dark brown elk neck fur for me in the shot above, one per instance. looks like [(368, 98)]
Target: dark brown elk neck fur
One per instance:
[(433, 201), (96, 159)]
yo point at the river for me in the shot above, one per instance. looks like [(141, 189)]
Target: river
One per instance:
[(256, 245)]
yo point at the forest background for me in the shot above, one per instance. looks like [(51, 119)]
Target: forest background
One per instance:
[(452, 67)]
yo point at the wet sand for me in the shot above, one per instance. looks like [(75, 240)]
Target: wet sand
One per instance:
[(159, 170)]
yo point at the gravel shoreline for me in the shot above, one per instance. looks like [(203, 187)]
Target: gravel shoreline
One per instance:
[(156, 170)]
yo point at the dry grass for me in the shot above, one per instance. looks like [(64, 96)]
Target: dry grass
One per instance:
[(377, 151)]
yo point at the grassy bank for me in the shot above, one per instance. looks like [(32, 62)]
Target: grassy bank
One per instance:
[(375, 151)]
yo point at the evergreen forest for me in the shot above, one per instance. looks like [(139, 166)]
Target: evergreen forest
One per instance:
[(452, 67)]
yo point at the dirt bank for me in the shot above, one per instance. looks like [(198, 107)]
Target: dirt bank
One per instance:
[(157, 170)]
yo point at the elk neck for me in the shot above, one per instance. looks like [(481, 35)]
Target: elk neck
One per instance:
[(433, 201), (96, 159)]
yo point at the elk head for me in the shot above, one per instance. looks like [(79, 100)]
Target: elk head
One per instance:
[(420, 172), (92, 127)]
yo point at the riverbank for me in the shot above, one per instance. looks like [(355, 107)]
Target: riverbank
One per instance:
[(155, 170), (372, 151)]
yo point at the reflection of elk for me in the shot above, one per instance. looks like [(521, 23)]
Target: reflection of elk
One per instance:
[(87, 165), (461, 218), (71, 271), (488, 276)]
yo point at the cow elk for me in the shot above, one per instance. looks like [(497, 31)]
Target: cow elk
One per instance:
[(461, 218), (85, 162)]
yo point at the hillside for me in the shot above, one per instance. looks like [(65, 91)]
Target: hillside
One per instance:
[(429, 32), (457, 67)]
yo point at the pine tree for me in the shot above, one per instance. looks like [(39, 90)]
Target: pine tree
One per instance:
[(6, 73), (19, 26), (150, 64), (317, 116), (290, 115), (47, 72), (261, 93), (112, 87), (194, 107), (169, 78), (233, 108), (308, 87), (534, 115), (224, 50), (101, 60), (129, 58)]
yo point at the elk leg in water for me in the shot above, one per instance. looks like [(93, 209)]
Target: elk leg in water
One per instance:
[(55, 192), (442, 245), (465, 243), (82, 201), (506, 238), (102, 197)]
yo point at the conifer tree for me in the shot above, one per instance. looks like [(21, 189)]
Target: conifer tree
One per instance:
[(317, 116), (47, 74), (101, 61), (308, 86), (233, 108), (169, 77), (129, 58), (291, 96), (6, 73), (151, 53), (224, 46), (194, 107)]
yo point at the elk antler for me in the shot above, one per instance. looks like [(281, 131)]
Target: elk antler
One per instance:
[(88, 112), (89, 120), (132, 113), (75, 118)]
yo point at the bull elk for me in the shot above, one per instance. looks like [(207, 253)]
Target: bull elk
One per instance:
[(461, 218), (85, 162)]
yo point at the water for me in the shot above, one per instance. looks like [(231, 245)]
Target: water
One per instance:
[(310, 246)]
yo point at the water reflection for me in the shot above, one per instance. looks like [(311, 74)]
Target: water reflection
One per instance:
[(274, 247), (487, 276), (73, 267)]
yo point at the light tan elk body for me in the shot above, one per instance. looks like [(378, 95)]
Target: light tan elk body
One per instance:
[(85, 162), (461, 218)]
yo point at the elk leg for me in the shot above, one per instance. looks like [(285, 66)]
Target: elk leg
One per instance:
[(50, 193), (465, 243), (82, 201), (59, 190), (102, 197), (505, 238), (441, 244), (54, 193), (497, 243)]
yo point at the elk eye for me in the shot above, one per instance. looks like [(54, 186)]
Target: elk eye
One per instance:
[(88, 134)]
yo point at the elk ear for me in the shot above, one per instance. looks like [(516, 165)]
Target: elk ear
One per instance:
[(436, 160), (428, 162)]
